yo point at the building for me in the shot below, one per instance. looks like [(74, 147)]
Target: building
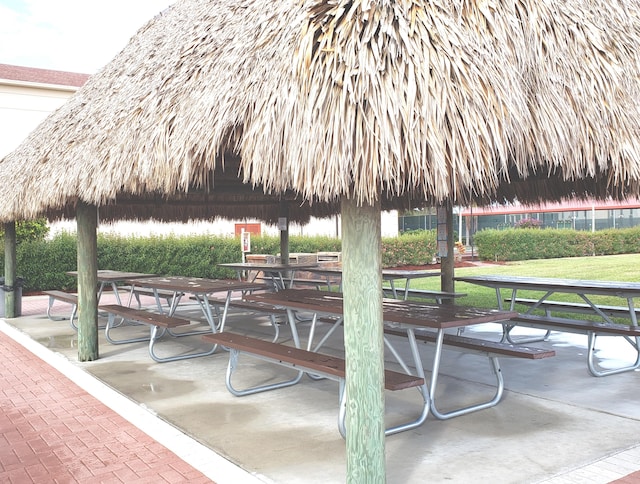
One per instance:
[(27, 97), (577, 215)]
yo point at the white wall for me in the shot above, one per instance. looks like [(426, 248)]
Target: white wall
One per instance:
[(23, 108), (329, 227)]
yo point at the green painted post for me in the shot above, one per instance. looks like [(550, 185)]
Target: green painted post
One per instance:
[(364, 346), (447, 264), (10, 269), (284, 231), (87, 220)]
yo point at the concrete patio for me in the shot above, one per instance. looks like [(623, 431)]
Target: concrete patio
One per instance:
[(555, 423)]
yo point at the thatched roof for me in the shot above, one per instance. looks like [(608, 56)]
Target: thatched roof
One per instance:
[(412, 100)]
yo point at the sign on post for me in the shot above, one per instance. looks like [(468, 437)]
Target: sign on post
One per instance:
[(245, 240)]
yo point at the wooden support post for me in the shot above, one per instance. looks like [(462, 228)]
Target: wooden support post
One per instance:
[(10, 269), (447, 264), (364, 346), (87, 220), (283, 223)]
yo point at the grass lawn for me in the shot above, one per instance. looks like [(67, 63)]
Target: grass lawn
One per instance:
[(610, 268)]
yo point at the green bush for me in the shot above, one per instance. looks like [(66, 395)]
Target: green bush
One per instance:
[(530, 243), (28, 231), (417, 247), (43, 263)]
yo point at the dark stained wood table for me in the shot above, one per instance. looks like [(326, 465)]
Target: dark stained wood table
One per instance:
[(545, 287), (548, 286), (404, 315), (281, 275), (112, 278), (200, 288), (392, 276)]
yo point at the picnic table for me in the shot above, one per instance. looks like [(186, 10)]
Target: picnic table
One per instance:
[(280, 275), (545, 287), (162, 323), (198, 287), (405, 317), (392, 276), (107, 277)]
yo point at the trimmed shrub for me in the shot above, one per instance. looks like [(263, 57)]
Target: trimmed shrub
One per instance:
[(524, 244), (43, 263), (417, 247)]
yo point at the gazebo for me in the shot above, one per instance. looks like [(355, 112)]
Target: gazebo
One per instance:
[(350, 105)]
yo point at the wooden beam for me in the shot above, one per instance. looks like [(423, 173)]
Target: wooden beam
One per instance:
[(447, 264), (10, 270), (284, 231), (364, 346), (87, 221)]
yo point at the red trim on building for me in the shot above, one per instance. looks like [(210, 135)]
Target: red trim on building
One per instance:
[(552, 207)]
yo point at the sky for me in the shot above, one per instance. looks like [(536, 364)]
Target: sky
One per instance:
[(70, 35)]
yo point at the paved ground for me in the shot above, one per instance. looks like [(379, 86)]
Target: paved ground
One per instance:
[(53, 431), (60, 423)]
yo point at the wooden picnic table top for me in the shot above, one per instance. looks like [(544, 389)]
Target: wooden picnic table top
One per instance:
[(267, 266), (575, 286), (107, 275), (394, 311), (387, 274), (195, 285)]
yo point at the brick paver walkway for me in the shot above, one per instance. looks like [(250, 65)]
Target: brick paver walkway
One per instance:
[(53, 431)]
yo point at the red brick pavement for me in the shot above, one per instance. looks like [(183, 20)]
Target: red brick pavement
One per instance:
[(633, 478), (53, 431)]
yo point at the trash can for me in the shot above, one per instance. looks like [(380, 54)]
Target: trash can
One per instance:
[(19, 284)]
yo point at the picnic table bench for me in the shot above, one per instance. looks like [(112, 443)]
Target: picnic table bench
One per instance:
[(406, 317), (158, 324), (491, 349), (136, 292), (276, 314), (64, 297), (270, 310), (316, 283), (305, 282), (438, 296), (585, 289), (572, 307), (318, 364)]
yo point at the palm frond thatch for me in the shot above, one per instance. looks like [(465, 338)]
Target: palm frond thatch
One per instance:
[(411, 100)]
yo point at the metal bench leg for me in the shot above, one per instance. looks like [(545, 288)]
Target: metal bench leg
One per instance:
[(74, 313), (233, 364), (112, 324), (276, 327), (424, 413), (506, 336), (471, 408), (422, 389), (596, 370), (157, 333), (74, 310), (206, 309)]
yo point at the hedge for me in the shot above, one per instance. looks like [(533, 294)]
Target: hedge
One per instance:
[(43, 263), (531, 243)]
